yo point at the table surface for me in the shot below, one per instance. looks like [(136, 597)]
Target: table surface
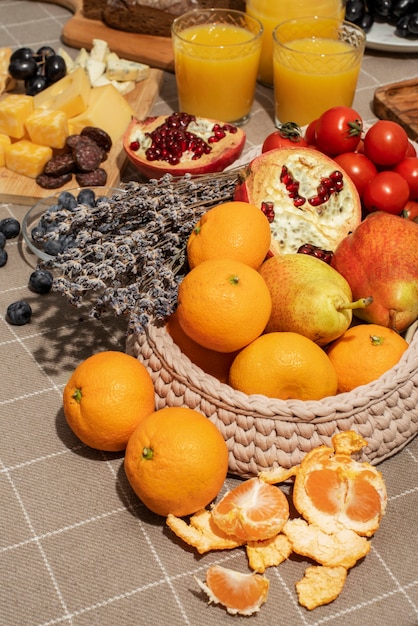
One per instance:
[(76, 545)]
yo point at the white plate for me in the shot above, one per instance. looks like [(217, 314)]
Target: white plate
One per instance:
[(382, 37)]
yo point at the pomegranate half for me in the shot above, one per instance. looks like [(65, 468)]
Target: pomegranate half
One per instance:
[(180, 144), (306, 196)]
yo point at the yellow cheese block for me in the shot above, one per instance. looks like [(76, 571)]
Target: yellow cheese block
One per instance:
[(47, 128), (27, 158), (107, 109), (14, 109), (70, 94), (4, 141)]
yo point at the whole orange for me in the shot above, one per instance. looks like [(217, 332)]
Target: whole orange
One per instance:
[(216, 364), (176, 461), (232, 230), (284, 365), (106, 397), (223, 304), (363, 353)]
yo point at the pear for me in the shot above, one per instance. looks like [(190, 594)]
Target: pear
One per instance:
[(309, 297), (380, 257)]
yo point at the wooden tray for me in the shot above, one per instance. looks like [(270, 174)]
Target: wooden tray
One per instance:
[(24, 190), (78, 32), (399, 102)]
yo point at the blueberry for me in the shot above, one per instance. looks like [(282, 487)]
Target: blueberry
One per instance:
[(55, 246), (40, 281), (2, 240), (37, 232), (10, 227), (3, 257), (67, 200), (87, 196), (18, 313)]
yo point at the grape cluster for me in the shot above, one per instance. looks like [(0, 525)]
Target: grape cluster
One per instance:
[(401, 14), (37, 69)]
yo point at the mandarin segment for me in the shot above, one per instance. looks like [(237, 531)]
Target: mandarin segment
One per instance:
[(252, 511), (239, 593)]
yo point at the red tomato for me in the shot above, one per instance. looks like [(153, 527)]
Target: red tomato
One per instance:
[(386, 143), (310, 134), (408, 169), (358, 167), (387, 191), (411, 151), (288, 135), (410, 211), (338, 130)]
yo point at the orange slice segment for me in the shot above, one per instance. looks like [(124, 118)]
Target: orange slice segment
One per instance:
[(239, 593), (252, 511)]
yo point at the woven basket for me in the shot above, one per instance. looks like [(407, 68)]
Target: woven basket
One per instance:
[(261, 432)]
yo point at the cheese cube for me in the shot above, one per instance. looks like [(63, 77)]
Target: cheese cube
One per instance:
[(47, 128), (4, 141), (27, 158), (107, 109), (14, 109), (70, 94)]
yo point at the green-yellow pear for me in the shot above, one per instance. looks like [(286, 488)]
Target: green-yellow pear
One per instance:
[(309, 297)]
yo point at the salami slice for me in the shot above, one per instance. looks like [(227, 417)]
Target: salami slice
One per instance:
[(87, 154), (46, 181), (98, 135), (60, 164), (95, 178)]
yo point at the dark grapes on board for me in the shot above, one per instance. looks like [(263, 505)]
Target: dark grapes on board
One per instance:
[(402, 15), (37, 70)]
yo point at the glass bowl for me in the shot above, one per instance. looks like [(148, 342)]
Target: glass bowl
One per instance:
[(32, 220)]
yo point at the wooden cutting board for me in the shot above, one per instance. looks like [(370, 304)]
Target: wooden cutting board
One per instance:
[(399, 102), (78, 32), (24, 190)]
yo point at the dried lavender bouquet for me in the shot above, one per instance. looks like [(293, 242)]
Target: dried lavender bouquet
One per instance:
[(128, 254)]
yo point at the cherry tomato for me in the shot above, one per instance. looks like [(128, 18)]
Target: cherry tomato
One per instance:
[(338, 130), (358, 167), (288, 135), (387, 191), (410, 211), (386, 143), (408, 169), (310, 134)]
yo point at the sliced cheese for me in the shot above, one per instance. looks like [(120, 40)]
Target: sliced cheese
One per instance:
[(69, 62), (100, 50), (95, 69), (70, 94), (122, 70), (107, 109), (81, 58), (26, 158), (47, 128), (14, 109)]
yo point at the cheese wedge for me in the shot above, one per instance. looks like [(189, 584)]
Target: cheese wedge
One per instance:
[(107, 109), (14, 109), (70, 94), (26, 158), (47, 128), (123, 70)]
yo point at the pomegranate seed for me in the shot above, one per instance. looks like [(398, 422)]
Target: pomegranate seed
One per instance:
[(316, 251), (134, 146), (299, 201), (268, 209)]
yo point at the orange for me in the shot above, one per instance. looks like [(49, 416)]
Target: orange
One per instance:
[(284, 365), (239, 593), (232, 230), (363, 353), (176, 461), (216, 364), (252, 511), (223, 304), (106, 397), (335, 492)]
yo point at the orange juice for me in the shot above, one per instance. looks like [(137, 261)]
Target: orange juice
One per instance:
[(272, 12), (216, 70)]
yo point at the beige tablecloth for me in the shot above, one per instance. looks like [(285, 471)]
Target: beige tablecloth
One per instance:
[(76, 546)]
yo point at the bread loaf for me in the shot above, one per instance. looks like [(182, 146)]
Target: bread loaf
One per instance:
[(149, 17)]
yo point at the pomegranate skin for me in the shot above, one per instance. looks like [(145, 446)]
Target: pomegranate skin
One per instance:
[(223, 152), (380, 259), (307, 197)]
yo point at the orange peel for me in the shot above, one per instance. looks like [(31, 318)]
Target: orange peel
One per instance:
[(320, 585), (268, 553), (202, 533)]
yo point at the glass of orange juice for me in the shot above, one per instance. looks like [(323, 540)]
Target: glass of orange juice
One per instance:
[(273, 12), (216, 57), (316, 63)]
